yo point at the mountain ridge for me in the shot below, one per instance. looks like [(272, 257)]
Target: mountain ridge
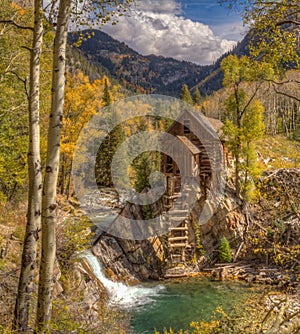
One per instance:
[(151, 73)]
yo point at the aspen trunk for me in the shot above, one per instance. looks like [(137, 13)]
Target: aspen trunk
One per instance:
[(247, 171), (45, 293), (28, 265), (237, 172), (239, 116)]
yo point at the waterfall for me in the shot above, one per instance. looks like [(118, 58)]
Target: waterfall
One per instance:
[(119, 293)]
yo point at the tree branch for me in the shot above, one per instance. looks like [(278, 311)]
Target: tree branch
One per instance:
[(51, 12), (251, 99), (16, 25), (281, 23), (10, 65), (284, 82), (271, 310), (286, 94), (291, 316), (26, 48), (275, 3), (25, 82), (3, 114)]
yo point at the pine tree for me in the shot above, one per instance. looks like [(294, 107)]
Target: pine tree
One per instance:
[(225, 251), (185, 95), (142, 166), (106, 93), (197, 97), (107, 152)]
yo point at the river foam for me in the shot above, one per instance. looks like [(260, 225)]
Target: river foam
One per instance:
[(121, 294)]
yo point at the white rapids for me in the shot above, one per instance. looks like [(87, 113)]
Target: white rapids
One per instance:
[(119, 293)]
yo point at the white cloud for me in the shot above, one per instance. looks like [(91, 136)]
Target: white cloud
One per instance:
[(232, 30), (154, 6), (156, 27)]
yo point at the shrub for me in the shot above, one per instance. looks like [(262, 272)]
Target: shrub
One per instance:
[(225, 251)]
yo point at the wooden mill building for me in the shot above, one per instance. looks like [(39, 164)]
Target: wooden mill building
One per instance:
[(194, 150)]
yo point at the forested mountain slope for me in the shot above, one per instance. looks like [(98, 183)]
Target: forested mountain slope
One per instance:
[(151, 74)]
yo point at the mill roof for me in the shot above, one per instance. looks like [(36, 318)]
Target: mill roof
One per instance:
[(194, 150)]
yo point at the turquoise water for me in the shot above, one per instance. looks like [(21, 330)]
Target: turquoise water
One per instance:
[(173, 303), (184, 301)]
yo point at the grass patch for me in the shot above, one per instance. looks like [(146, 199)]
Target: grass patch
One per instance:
[(278, 152)]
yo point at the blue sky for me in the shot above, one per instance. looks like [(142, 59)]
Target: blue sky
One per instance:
[(223, 21), (197, 31)]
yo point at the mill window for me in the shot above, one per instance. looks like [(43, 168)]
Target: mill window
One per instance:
[(186, 126)]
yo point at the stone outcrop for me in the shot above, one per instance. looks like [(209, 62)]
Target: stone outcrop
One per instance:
[(150, 259), (228, 220), (128, 260)]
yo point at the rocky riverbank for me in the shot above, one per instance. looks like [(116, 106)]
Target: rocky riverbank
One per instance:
[(264, 239), (253, 234)]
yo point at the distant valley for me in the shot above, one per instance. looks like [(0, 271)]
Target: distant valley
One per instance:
[(148, 74)]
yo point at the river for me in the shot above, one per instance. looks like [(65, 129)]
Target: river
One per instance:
[(171, 303), (182, 302)]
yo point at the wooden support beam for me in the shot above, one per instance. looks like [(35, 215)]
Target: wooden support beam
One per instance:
[(178, 238), (183, 228), (180, 245)]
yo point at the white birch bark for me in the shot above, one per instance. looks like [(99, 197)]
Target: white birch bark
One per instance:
[(45, 293), (28, 264)]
